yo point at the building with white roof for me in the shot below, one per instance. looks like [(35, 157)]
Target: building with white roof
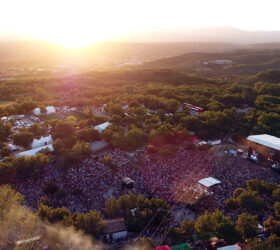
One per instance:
[(41, 142), (264, 149), (208, 182), (265, 140), (101, 127), (49, 110), (34, 151)]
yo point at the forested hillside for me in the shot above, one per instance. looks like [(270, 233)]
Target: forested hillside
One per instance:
[(224, 64)]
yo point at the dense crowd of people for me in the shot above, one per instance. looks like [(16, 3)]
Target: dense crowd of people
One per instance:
[(176, 178), (173, 178), (87, 186)]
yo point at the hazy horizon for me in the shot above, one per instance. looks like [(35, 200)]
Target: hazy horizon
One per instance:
[(78, 23)]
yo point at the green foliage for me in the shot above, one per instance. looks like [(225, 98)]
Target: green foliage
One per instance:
[(23, 139), (108, 162), (116, 109), (91, 223), (262, 187), (16, 221), (116, 119), (66, 157), (151, 149), (36, 130), (238, 191), (63, 129), (277, 208), (5, 131), (216, 224), (80, 151), (132, 141), (250, 200), (145, 210), (231, 204), (247, 225), (272, 226), (25, 166)]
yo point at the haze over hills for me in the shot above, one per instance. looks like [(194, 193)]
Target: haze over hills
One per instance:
[(226, 34), (206, 34)]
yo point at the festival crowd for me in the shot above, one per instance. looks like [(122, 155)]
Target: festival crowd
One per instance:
[(173, 178)]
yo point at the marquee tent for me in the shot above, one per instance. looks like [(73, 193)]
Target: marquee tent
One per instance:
[(208, 182)]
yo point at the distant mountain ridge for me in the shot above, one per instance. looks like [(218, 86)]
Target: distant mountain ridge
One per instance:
[(207, 34)]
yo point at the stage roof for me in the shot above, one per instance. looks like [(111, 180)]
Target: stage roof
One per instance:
[(208, 182), (266, 140)]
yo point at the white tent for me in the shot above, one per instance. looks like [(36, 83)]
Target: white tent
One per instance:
[(101, 127), (37, 111), (231, 247), (12, 147), (208, 182), (50, 110), (266, 140), (214, 142), (41, 142), (34, 151)]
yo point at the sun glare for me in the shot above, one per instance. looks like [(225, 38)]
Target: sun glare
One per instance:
[(74, 23)]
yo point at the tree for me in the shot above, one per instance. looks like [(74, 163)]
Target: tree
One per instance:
[(277, 208), (63, 129), (238, 191), (146, 209), (134, 104), (272, 226), (276, 194), (88, 134), (134, 139), (36, 130), (91, 223), (108, 162), (5, 131), (216, 224), (247, 225), (273, 242), (4, 150), (88, 113), (116, 119), (23, 139), (231, 204), (261, 187), (172, 106), (116, 109), (80, 152), (256, 244), (151, 149), (187, 226), (251, 200), (59, 147), (16, 221)]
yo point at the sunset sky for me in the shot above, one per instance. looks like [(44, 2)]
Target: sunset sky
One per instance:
[(84, 21)]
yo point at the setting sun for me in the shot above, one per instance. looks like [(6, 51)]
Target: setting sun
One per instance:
[(78, 23)]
